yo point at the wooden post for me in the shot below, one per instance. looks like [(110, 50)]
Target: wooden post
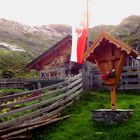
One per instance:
[(113, 97), (138, 71), (120, 66), (38, 85)]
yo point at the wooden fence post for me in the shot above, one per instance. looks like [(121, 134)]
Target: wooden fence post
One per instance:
[(38, 85)]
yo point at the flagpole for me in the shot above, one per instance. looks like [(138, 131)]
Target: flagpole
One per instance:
[(87, 27)]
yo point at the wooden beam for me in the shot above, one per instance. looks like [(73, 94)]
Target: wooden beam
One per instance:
[(120, 66), (32, 127)]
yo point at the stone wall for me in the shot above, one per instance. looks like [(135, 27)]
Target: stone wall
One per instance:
[(111, 116)]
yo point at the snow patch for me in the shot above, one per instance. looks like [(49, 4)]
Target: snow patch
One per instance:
[(12, 47)]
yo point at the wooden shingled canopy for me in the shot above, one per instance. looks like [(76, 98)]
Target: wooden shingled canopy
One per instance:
[(102, 41), (107, 52), (110, 55)]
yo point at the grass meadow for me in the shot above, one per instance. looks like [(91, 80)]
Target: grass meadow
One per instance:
[(80, 125)]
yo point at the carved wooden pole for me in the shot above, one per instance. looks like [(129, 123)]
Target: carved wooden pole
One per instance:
[(113, 97), (118, 74)]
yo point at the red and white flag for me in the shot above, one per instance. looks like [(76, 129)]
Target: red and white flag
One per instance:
[(79, 36)]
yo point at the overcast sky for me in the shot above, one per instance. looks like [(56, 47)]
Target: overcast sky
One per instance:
[(42, 12)]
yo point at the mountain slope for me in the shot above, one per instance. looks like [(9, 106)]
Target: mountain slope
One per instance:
[(128, 31), (20, 43)]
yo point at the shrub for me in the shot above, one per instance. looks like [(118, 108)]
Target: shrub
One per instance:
[(7, 74)]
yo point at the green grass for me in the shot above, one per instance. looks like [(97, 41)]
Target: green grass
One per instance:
[(8, 90), (80, 125)]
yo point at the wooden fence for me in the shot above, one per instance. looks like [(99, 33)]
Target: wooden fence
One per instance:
[(31, 83), (28, 110), (24, 82), (130, 78), (16, 82)]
